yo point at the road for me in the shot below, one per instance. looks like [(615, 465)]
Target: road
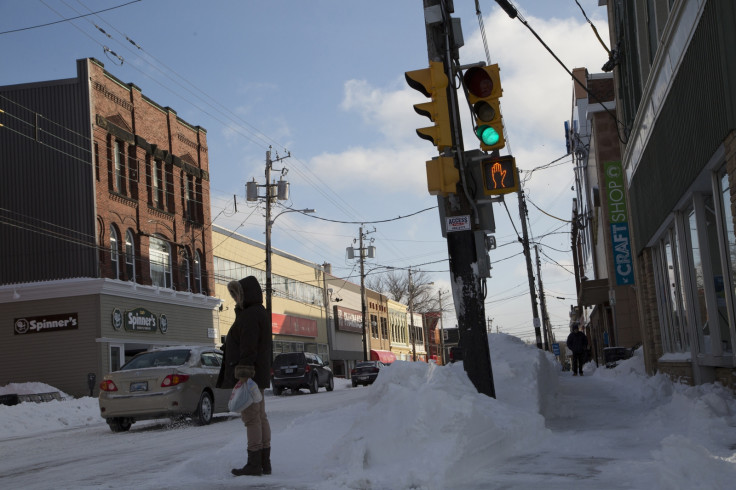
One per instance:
[(94, 457)]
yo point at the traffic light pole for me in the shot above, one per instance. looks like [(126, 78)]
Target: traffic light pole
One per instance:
[(466, 283)]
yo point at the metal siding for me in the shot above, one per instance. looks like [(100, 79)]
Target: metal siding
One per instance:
[(47, 197), (186, 325), (690, 127), (61, 359)]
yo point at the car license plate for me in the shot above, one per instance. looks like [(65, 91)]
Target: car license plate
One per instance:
[(362, 377), (139, 386), (288, 371)]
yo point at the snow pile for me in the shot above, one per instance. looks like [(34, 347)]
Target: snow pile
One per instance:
[(422, 426), (29, 418)]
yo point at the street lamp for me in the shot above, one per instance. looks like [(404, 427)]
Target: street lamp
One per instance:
[(269, 223)]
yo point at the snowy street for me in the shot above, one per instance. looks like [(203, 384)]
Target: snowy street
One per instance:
[(419, 426)]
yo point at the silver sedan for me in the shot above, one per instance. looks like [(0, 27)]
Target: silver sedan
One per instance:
[(176, 381)]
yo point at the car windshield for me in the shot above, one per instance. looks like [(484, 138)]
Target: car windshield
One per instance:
[(288, 359), (158, 358)]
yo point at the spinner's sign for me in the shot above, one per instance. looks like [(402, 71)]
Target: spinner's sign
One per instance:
[(140, 320), (46, 323)]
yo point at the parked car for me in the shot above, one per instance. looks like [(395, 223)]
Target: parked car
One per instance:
[(456, 354), (296, 370), (366, 372), (611, 355), (164, 382)]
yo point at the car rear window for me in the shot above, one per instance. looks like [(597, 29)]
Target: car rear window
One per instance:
[(161, 358), (289, 359), (365, 364)]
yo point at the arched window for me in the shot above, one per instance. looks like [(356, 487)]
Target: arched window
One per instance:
[(186, 270), (129, 256), (114, 253), (197, 272), (160, 254)]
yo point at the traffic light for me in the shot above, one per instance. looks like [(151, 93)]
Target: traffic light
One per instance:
[(483, 84), (432, 82), (499, 175), (442, 176)]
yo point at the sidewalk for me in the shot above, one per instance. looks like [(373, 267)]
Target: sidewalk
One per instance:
[(603, 437)]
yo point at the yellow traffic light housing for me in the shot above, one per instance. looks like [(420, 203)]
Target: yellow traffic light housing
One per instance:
[(433, 82), (442, 176), (483, 84), (499, 175)]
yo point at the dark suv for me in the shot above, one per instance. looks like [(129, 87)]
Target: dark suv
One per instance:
[(295, 370), (366, 372)]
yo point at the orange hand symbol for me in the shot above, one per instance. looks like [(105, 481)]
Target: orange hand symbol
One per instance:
[(496, 170)]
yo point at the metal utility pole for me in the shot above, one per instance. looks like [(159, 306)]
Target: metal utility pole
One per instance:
[(362, 295), (442, 329), (363, 253), (543, 304), (412, 337), (530, 272), (461, 244)]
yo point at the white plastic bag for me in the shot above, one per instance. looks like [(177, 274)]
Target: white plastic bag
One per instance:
[(243, 395)]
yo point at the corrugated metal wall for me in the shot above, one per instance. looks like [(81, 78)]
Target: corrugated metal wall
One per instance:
[(47, 200), (691, 126)]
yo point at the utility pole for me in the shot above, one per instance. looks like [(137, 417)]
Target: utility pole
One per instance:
[(530, 272), (461, 244), (543, 304), (274, 191), (363, 253), (412, 337), (442, 329)]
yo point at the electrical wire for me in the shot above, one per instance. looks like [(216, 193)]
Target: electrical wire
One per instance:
[(554, 55), (68, 19), (608, 51)]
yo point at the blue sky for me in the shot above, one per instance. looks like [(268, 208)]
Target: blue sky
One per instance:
[(324, 80)]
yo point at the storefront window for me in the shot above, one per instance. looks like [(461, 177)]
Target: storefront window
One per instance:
[(673, 315), (701, 311), (728, 225)]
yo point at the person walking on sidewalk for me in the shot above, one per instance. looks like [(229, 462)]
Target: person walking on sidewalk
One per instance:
[(577, 342), (248, 355)]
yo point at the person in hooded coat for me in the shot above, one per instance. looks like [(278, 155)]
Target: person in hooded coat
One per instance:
[(247, 352), (577, 342)]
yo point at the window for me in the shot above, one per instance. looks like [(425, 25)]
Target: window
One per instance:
[(725, 205), (384, 328), (157, 184), (160, 253), (119, 167), (197, 273), (114, 253), (698, 282), (191, 203), (97, 161), (374, 326), (129, 256), (185, 271)]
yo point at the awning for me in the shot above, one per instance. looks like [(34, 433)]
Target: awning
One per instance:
[(594, 292), (386, 357)]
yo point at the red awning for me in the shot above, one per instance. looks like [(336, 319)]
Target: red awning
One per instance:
[(386, 357)]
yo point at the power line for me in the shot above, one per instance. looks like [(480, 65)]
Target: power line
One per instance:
[(68, 19)]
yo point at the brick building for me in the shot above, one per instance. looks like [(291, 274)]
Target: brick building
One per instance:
[(104, 218)]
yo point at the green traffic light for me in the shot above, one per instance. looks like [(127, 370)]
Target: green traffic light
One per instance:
[(488, 135)]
